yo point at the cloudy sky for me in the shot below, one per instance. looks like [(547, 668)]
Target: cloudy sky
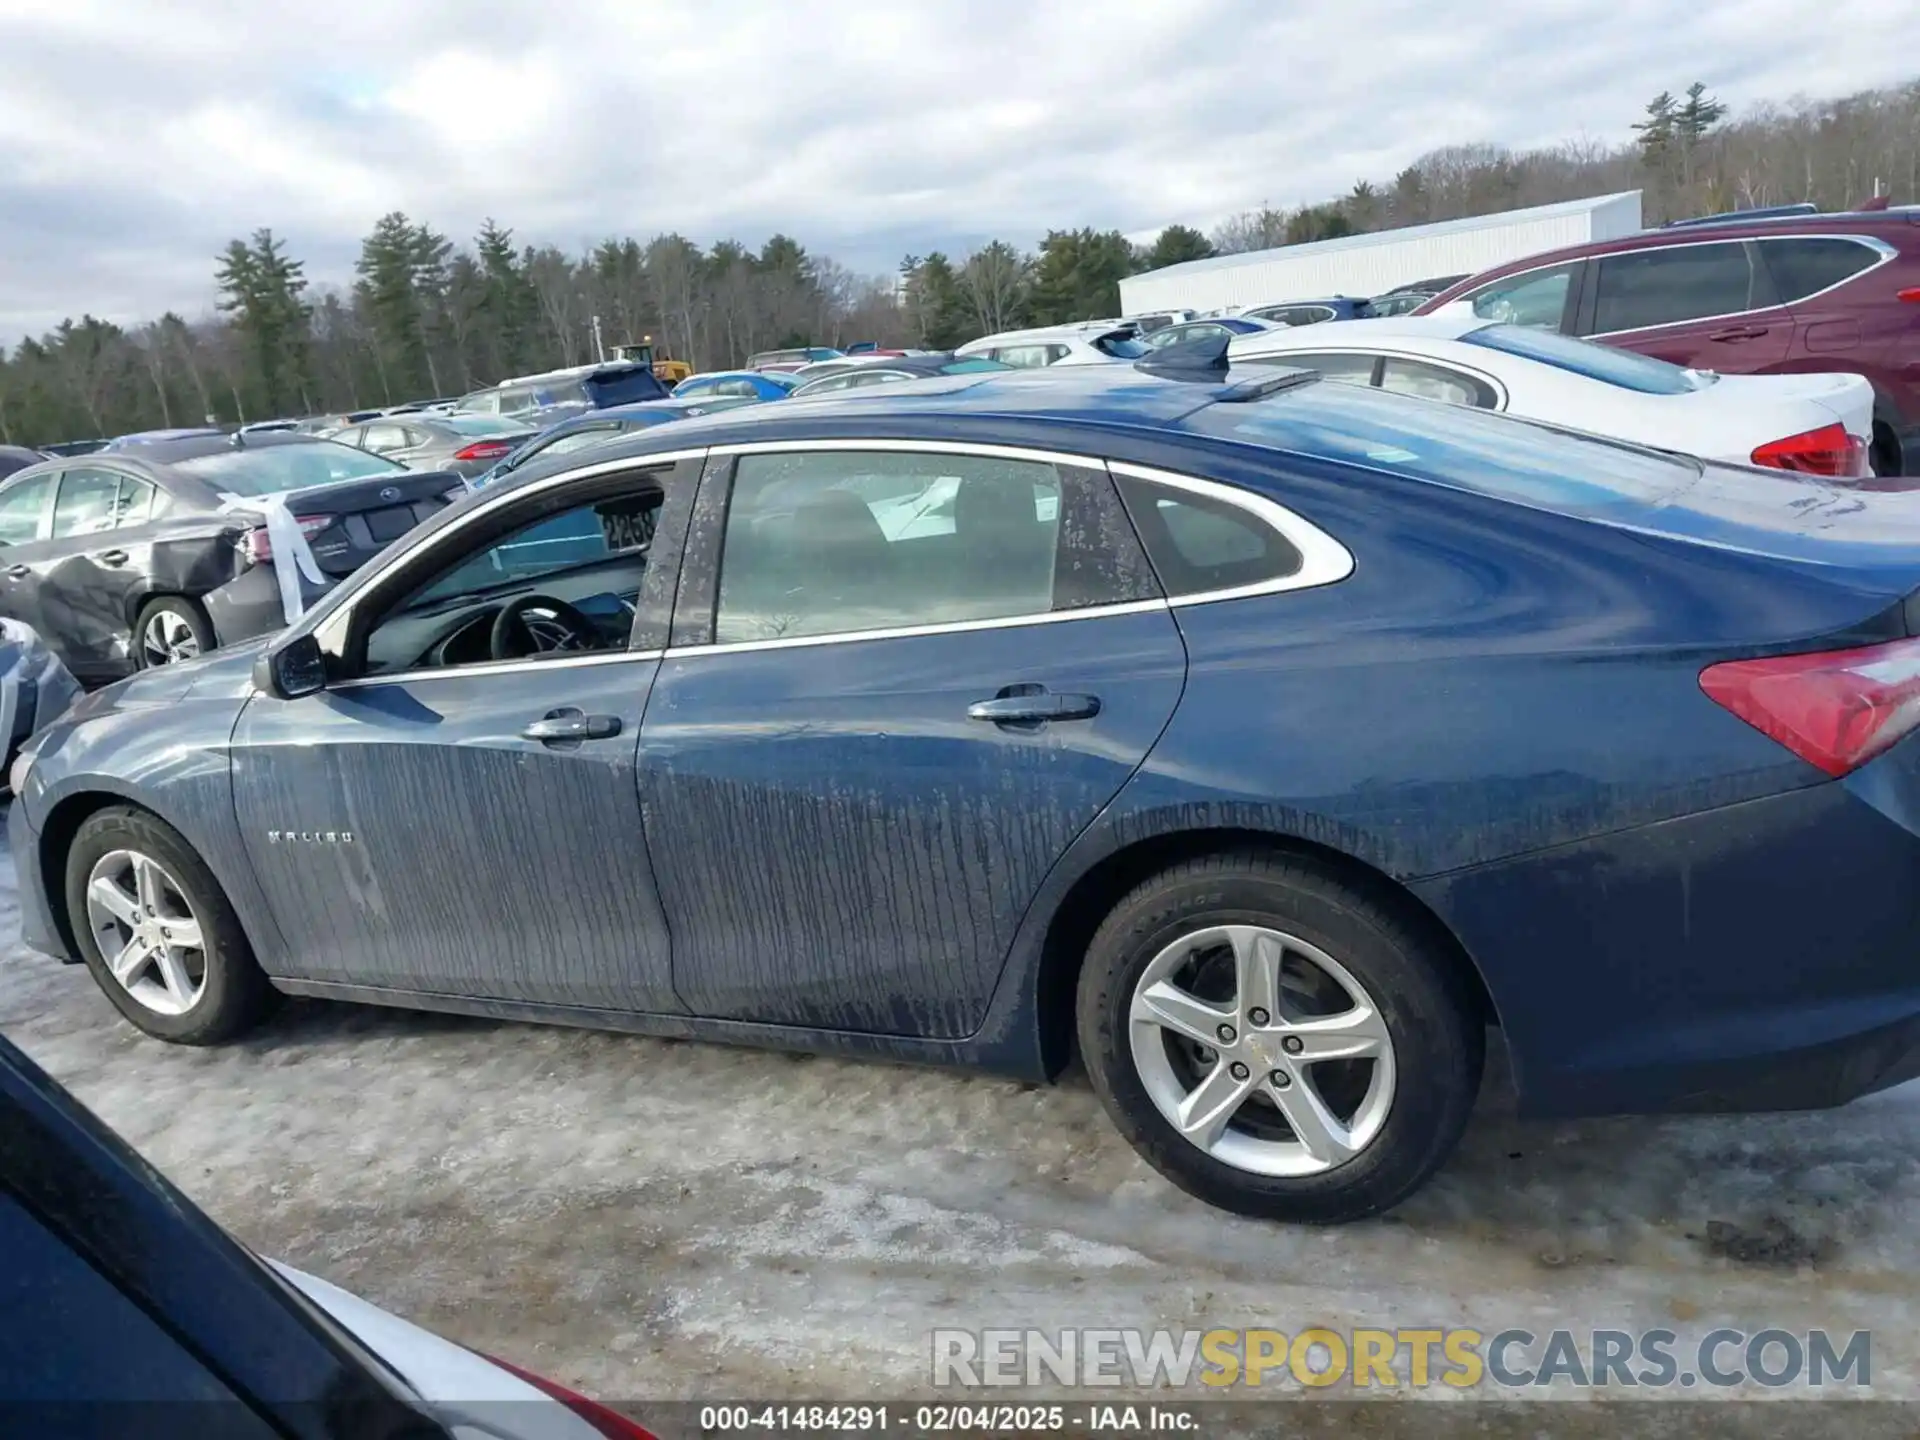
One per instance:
[(138, 136)]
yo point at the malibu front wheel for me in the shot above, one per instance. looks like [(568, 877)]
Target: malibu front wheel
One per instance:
[(1276, 1042)]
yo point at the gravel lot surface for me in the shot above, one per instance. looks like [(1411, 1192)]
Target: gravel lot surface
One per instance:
[(648, 1218)]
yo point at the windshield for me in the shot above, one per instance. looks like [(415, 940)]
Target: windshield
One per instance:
[(268, 469), (483, 425), (1597, 362), (1469, 449)]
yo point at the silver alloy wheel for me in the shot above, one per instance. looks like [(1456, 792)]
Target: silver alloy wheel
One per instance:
[(1240, 1073), (167, 638), (147, 932)]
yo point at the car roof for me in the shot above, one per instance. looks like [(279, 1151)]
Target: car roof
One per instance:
[(1105, 397), (1346, 332)]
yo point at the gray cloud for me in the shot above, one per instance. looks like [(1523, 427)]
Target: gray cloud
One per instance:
[(135, 140)]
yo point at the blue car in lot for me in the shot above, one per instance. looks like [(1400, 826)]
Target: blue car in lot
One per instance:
[(739, 384), (1266, 741)]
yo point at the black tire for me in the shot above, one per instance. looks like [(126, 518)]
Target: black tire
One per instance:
[(186, 612), (1884, 454), (1430, 1016), (235, 994)]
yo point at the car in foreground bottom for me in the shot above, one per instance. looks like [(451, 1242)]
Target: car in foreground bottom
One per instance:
[(1819, 424), (1263, 739), (125, 1310)]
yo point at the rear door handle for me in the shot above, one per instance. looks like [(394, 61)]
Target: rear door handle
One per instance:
[(1033, 705), (19, 572), (564, 725), (1739, 332), (113, 557)]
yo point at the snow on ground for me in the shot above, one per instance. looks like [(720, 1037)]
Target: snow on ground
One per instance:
[(651, 1218)]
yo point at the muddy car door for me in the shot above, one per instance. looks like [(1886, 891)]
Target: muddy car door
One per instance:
[(903, 680)]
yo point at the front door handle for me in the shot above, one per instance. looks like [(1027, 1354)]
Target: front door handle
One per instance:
[(565, 725), (1033, 705), (19, 572), (1739, 332), (113, 557)]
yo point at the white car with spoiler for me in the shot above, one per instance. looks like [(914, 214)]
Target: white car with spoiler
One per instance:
[(1816, 424)]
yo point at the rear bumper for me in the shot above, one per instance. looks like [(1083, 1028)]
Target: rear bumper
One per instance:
[(250, 604), (37, 930), (1762, 956)]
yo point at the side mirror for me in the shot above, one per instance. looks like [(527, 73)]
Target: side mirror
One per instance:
[(290, 670)]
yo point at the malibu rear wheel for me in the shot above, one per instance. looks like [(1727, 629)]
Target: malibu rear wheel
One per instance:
[(1276, 1042)]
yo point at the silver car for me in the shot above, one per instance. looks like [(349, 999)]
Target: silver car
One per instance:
[(468, 445)]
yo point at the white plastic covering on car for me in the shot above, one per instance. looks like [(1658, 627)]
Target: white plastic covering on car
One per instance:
[(288, 540)]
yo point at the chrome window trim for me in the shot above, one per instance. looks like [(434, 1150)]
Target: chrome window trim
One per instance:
[(1886, 252), (496, 667), (909, 632), (1323, 559), (921, 447)]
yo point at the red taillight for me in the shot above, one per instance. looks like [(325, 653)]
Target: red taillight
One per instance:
[(1830, 450), (257, 545), (610, 1423), (1836, 709), (1910, 295), (483, 450)]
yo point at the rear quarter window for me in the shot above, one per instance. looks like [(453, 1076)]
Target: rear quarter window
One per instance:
[(1202, 544), (1804, 265)]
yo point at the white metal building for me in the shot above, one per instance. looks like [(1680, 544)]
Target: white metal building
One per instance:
[(1364, 265)]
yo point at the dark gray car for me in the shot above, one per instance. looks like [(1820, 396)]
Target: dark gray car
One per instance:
[(125, 561), (468, 445)]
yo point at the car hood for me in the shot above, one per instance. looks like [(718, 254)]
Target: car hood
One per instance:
[(227, 672)]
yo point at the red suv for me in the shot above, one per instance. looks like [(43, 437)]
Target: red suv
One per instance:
[(1744, 296)]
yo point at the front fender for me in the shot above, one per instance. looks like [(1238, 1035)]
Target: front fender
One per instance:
[(162, 747)]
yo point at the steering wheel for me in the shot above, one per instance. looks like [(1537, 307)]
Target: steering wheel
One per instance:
[(567, 629)]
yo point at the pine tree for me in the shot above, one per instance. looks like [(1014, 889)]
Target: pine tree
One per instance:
[(261, 286)]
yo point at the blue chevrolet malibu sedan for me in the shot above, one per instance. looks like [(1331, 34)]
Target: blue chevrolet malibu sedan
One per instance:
[(1270, 743)]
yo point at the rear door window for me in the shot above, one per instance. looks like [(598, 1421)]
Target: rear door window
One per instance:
[(1671, 284), (1804, 265), (825, 543), (134, 504), (85, 503)]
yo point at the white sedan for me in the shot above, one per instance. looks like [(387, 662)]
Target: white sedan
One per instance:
[(1817, 424)]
